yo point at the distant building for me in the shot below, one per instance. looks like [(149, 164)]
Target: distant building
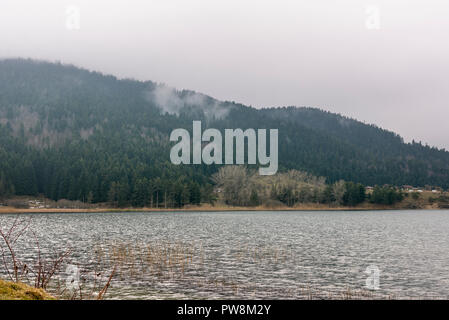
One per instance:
[(36, 204)]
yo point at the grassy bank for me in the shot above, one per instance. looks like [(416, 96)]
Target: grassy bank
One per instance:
[(20, 291), (404, 205)]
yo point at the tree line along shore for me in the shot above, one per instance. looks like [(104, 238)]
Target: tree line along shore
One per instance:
[(237, 188)]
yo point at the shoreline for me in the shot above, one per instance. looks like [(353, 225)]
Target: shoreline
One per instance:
[(209, 208)]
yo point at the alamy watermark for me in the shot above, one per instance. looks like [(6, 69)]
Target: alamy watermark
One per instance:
[(372, 21), (373, 280), (213, 151), (72, 21)]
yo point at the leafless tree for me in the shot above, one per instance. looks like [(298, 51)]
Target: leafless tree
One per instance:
[(339, 189), (43, 269), (13, 266)]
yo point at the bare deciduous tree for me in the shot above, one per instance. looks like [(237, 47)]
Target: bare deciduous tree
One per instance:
[(43, 269)]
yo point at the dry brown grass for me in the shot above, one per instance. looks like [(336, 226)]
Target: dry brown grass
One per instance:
[(163, 259), (172, 261), (209, 208)]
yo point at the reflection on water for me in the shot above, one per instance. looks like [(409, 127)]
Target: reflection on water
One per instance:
[(285, 255)]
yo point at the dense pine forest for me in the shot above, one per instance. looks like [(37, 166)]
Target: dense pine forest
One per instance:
[(70, 133)]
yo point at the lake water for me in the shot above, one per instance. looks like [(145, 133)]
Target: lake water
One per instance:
[(285, 255)]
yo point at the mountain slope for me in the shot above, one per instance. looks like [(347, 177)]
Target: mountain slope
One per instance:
[(71, 133)]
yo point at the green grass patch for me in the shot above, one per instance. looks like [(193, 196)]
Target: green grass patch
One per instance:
[(20, 291)]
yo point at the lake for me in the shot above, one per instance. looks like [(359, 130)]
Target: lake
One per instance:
[(252, 255)]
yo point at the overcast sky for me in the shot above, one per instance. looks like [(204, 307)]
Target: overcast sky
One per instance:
[(383, 62)]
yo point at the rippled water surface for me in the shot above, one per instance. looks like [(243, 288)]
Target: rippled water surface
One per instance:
[(254, 254)]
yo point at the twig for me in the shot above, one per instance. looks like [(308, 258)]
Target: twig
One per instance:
[(105, 289)]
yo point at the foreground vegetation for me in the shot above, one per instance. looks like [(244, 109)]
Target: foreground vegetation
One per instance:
[(20, 291), (43, 270)]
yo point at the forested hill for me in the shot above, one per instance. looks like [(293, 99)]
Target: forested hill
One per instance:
[(72, 133)]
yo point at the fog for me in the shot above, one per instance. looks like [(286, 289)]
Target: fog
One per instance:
[(383, 62), (169, 101)]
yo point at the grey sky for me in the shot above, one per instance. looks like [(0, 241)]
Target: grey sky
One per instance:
[(326, 54)]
